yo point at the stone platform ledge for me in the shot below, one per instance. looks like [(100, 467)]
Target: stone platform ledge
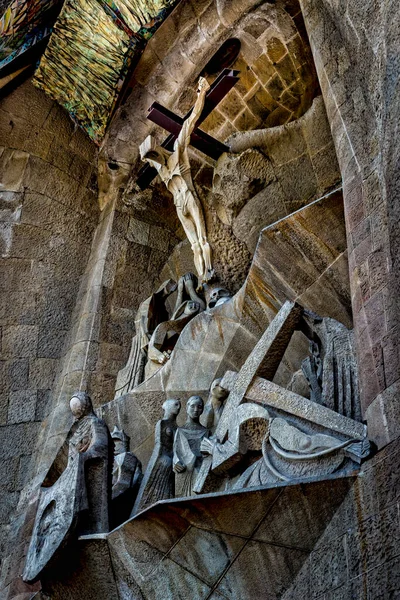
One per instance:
[(239, 544)]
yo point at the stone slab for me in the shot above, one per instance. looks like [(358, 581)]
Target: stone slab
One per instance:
[(193, 548), (266, 392)]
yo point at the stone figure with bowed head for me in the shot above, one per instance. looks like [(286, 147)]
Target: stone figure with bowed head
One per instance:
[(174, 170), (75, 495), (158, 482), (162, 342), (151, 313), (126, 478), (187, 456), (187, 290), (214, 406)]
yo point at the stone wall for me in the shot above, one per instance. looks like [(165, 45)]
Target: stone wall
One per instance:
[(48, 213), (130, 246), (72, 282), (358, 555), (355, 48), (277, 75)]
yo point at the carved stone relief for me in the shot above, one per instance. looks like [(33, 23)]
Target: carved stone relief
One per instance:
[(77, 499), (157, 332), (158, 482), (151, 312), (218, 296), (214, 406), (126, 477), (174, 170), (335, 364), (187, 442), (188, 304)]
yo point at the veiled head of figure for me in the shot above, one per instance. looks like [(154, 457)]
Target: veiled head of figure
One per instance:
[(121, 440), (195, 407), (80, 404), (218, 296), (171, 407)]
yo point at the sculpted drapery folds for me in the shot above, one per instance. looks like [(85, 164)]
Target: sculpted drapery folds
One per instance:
[(76, 492), (188, 304), (152, 311), (187, 456), (158, 482)]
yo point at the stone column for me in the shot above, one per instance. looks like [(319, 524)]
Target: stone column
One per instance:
[(355, 48)]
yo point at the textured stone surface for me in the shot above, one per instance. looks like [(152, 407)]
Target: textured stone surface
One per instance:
[(76, 491), (275, 171), (192, 548), (356, 57), (48, 210), (289, 78), (264, 391), (303, 258), (53, 308), (213, 342), (357, 556)]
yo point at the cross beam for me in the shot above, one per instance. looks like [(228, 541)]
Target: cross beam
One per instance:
[(173, 123), (199, 139)]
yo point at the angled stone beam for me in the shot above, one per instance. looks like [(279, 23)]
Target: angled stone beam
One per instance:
[(268, 393), (263, 361)]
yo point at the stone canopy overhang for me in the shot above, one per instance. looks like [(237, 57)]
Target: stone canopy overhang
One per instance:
[(248, 543)]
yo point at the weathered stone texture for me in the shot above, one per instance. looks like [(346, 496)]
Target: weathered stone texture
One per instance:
[(355, 50), (357, 556), (131, 245), (49, 213), (72, 290)]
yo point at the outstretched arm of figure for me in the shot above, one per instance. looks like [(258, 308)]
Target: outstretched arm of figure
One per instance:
[(190, 123)]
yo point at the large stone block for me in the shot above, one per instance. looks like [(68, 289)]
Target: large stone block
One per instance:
[(20, 341), (13, 164), (302, 257), (227, 545), (21, 407), (19, 439)]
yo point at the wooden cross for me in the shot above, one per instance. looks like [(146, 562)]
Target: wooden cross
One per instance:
[(173, 123)]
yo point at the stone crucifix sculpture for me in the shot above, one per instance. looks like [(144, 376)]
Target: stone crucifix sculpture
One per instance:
[(174, 170)]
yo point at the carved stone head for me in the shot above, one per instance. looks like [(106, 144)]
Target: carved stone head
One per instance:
[(218, 296), (217, 391), (80, 405), (195, 407), (171, 408), (191, 307), (112, 177)]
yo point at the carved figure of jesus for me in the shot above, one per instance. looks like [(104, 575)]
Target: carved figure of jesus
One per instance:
[(174, 170)]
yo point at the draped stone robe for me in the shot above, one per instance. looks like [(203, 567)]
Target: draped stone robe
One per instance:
[(187, 452)]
